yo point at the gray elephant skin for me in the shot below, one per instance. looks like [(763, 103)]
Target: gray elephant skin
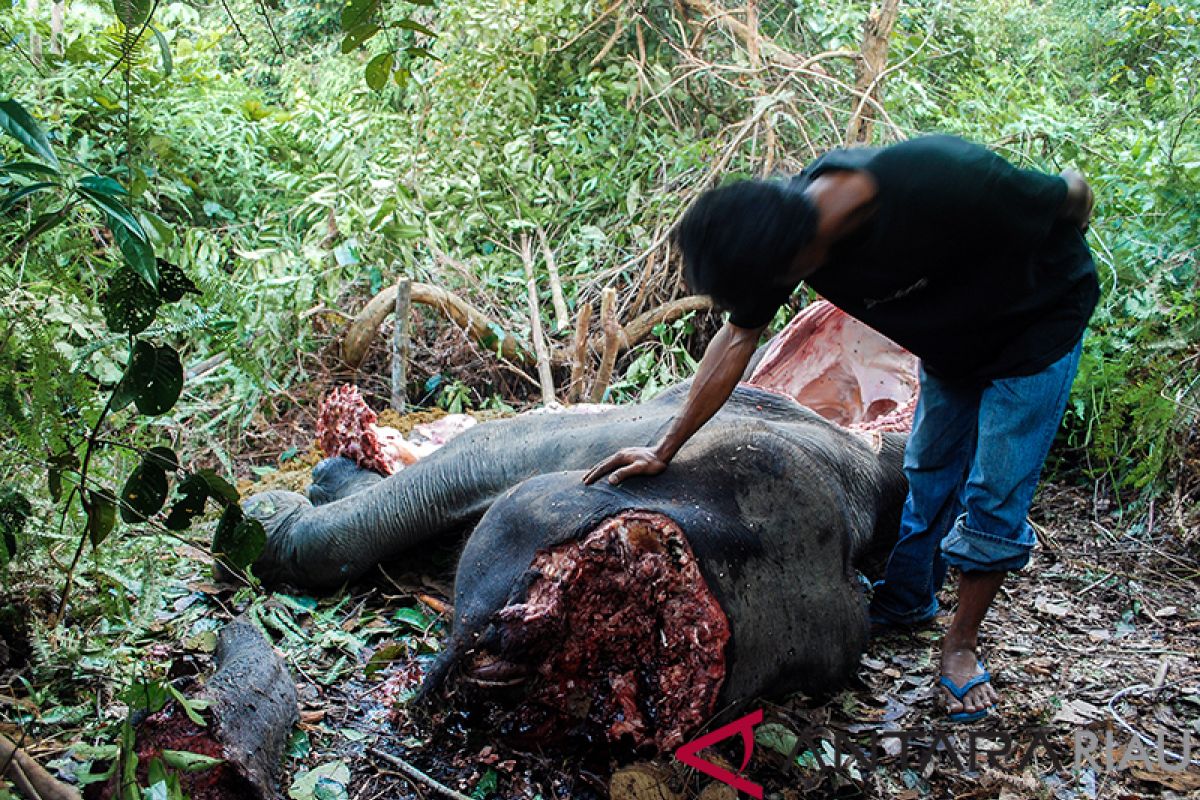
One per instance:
[(769, 515)]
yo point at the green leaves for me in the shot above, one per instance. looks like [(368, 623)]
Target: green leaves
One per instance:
[(193, 492), (408, 24), (17, 195), (239, 540), (188, 761), (153, 380), (358, 12), (101, 517), (133, 13), (168, 65), (21, 126), (379, 69), (360, 22), (145, 490), (105, 195), (173, 284), (356, 36), (129, 304)]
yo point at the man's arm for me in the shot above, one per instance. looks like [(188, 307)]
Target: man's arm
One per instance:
[(722, 366), (1077, 206)]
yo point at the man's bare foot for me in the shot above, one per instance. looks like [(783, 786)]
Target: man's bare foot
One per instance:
[(961, 667)]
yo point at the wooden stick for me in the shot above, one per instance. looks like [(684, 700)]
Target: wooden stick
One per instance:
[(612, 340), (579, 354), (29, 777), (400, 344), (545, 378), (561, 318), (416, 774)]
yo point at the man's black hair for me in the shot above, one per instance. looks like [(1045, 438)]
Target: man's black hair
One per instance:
[(738, 238)]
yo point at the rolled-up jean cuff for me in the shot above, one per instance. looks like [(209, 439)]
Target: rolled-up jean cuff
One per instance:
[(882, 613), (973, 550)]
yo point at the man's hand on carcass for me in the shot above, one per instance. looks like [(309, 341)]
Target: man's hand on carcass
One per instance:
[(627, 463), (724, 361)]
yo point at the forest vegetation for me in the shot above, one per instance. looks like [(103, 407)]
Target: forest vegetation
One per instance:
[(197, 198)]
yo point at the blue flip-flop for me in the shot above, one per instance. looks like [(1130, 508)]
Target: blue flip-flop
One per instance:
[(960, 692)]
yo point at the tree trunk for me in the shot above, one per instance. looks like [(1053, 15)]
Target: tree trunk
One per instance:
[(876, 32)]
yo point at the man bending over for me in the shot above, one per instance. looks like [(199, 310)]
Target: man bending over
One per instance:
[(978, 268)]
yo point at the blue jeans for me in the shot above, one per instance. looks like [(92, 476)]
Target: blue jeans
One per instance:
[(973, 462)]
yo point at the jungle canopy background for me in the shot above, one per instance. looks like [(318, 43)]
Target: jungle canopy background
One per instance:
[(195, 199)]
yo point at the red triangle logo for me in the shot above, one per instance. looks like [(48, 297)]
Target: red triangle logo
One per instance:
[(687, 753)]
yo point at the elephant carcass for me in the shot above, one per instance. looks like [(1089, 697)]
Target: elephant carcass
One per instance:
[(634, 612), (324, 546)]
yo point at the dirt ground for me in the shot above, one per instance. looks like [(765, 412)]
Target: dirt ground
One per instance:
[(1094, 643)]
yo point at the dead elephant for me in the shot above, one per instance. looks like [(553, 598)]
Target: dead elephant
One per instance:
[(637, 610)]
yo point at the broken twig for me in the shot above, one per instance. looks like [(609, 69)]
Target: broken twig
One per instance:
[(416, 774), (545, 378), (561, 318), (612, 341), (475, 323), (579, 354)]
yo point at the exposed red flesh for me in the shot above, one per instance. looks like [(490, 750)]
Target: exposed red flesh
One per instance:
[(170, 729), (841, 369), (346, 427), (620, 632)]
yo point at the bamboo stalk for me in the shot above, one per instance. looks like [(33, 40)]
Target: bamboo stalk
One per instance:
[(400, 344), (545, 378)]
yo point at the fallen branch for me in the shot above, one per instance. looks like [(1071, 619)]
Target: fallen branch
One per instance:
[(29, 777), (416, 774), (640, 328), (475, 323)]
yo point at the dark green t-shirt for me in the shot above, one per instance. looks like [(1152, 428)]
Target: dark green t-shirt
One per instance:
[(964, 260)]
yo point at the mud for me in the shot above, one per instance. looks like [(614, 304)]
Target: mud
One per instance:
[(619, 634)]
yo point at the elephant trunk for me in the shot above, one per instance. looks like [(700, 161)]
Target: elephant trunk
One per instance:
[(325, 546)]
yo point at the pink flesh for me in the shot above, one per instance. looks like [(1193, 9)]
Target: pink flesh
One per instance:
[(841, 369)]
